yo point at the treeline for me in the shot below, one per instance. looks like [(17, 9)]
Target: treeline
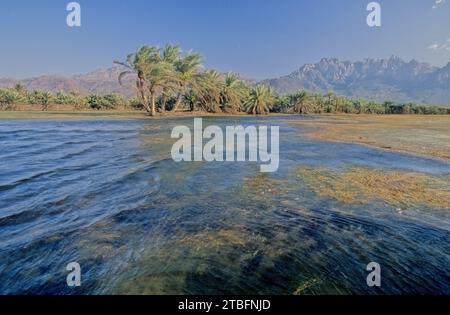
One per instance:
[(253, 100), (169, 80), (14, 98), (313, 103)]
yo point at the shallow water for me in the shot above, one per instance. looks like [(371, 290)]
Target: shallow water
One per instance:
[(106, 194)]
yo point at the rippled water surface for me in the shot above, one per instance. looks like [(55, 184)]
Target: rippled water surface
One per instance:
[(106, 194)]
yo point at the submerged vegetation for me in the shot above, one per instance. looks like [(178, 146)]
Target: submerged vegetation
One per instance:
[(363, 185), (413, 134), (166, 79)]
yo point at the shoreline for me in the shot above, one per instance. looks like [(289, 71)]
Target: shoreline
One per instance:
[(118, 114), (417, 135), (407, 134), (59, 114)]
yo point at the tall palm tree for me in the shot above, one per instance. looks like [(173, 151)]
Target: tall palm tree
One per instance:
[(187, 71), (160, 76), (259, 101), (232, 93), (208, 88), (170, 55), (139, 64), (154, 71)]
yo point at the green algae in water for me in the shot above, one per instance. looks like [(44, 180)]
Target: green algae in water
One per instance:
[(361, 185)]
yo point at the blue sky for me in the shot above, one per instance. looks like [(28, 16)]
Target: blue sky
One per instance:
[(257, 38)]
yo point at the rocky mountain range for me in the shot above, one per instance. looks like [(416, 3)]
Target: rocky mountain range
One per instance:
[(102, 81), (391, 79)]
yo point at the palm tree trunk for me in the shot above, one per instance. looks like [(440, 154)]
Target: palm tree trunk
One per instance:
[(147, 108), (153, 105), (145, 103), (143, 97), (177, 103), (163, 104)]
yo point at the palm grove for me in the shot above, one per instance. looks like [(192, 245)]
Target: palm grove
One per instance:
[(169, 80)]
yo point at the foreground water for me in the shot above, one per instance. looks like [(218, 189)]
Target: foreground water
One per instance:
[(106, 194)]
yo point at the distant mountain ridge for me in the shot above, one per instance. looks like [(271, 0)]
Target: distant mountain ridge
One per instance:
[(390, 79), (101, 81)]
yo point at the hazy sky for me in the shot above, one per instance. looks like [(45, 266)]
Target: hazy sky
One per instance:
[(257, 38)]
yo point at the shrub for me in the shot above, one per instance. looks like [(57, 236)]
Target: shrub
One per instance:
[(114, 101), (40, 98), (109, 101), (94, 102), (65, 99), (8, 98), (136, 103)]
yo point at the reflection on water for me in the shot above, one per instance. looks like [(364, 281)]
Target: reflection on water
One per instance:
[(105, 193)]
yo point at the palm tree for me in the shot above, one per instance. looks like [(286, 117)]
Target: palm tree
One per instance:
[(208, 87), (388, 107), (319, 103), (330, 102), (300, 102), (232, 93), (160, 76), (360, 106), (191, 99), (154, 71), (40, 98), (187, 75), (259, 101), (138, 64), (170, 55)]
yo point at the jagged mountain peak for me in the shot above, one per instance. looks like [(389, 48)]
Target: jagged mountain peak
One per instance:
[(390, 79)]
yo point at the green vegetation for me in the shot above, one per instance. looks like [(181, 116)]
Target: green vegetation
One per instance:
[(260, 100), (304, 102), (16, 98), (9, 98), (364, 185), (169, 80), (106, 102), (431, 135)]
